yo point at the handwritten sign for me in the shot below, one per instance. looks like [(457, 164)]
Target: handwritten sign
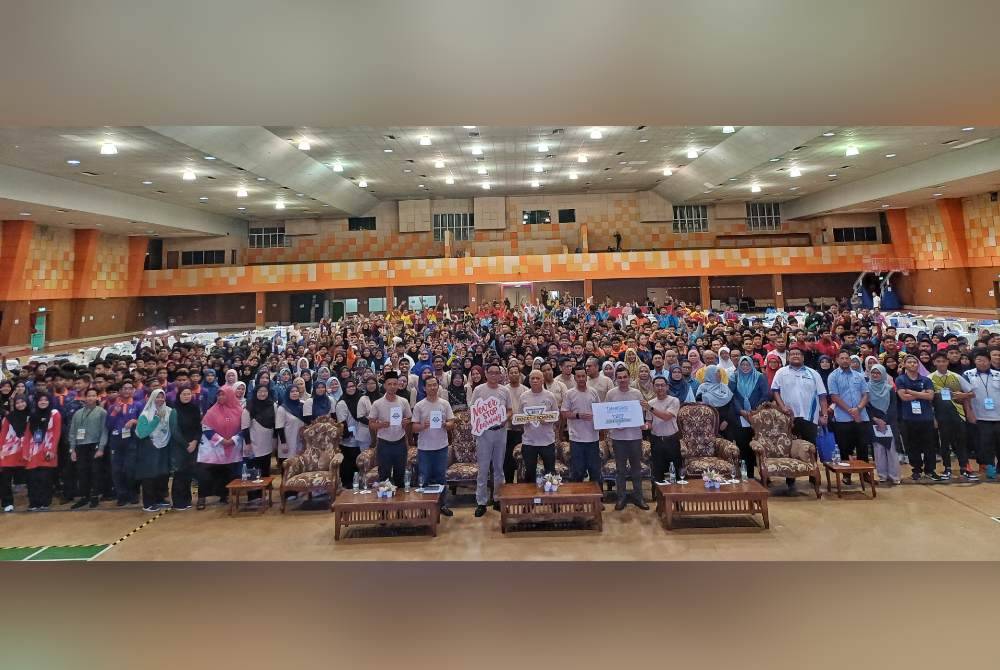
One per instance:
[(624, 414), (542, 417), (486, 413)]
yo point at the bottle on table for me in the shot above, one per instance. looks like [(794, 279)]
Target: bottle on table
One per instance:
[(672, 476)]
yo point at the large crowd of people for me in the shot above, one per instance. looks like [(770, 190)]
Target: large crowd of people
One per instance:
[(143, 429)]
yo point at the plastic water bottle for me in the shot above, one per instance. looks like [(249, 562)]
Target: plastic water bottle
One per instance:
[(836, 454), (743, 470), (672, 476), (357, 482), (245, 474), (406, 480), (540, 479)]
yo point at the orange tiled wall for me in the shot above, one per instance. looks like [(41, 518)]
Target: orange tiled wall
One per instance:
[(110, 266), (48, 268), (928, 243), (982, 228), (333, 241)]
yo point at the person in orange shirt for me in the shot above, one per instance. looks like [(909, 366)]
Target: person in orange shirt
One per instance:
[(41, 451)]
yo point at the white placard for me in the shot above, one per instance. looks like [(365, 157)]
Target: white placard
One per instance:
[(437, 418), (396, 416), (624, 414), (486, 413)]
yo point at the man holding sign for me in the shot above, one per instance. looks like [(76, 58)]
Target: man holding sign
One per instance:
[(432, 419), (584, 442), (491, 443), (627, 442), (389, 418), (539, 435)]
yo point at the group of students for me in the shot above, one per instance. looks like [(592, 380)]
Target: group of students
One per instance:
[(122, 428)]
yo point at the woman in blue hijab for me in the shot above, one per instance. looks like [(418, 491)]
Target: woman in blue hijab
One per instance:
[(752, 390), (723, 398), (209, 389)]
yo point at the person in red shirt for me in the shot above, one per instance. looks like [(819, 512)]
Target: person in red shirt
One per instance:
[(12, 433), (41, 451), (826, 345)]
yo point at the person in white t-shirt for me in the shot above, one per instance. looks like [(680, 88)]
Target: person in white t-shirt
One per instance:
[(432, 420)]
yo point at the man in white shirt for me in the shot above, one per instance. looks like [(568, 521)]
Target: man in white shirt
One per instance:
[(390, 418), (539, 437), (584, 440), (515, 388), (800, 393), (596, 380), (432, 420), (492, 444), (627, 444), (665, 443)]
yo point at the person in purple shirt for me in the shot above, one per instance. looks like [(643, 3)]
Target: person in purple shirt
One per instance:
[(123, 414)]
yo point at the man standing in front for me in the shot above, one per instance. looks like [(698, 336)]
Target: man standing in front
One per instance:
[(88, 438), (432, 419), (584, 441), (627, 444), (491, 445), (801, 394), (389, 418), (539, 437), (849, 394), (986, 406), (916, 419)]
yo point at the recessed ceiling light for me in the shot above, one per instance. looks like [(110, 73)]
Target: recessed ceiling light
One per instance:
[(608, 178), (582, 158), (420, 185), (279, 205), (449, 180), (241, 208), (852, 151), (486, 186), (692, 153), (387, 151), (468, 127), (210, 158), (829, 134), (890, 155), (147, 182), (794, 188), (595, 134), (304, 145), (439, 164), (623, 162), (261, 179), (477, 151), (885, 206), (773, 160), (534, 183), (407, 170), (109, 149), (644, 139), (72, 161), (968, 128), (363, 183), (832, 174), (189, 175), (667, 172), (99, 225), (481, 169), (938, 195), (301, 195), (425, 141), (538, 167), (573, 175), (338, 166), (542, 148), (24, 214), (733, 179), (795, 172), (203, 198), (728, 129), (754, 188)]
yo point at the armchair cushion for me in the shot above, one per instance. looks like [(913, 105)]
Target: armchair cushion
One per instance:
[(310, 480), (803, 450), (790, 467)]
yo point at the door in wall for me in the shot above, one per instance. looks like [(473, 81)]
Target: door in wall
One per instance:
[(336, 310), (307, 307)]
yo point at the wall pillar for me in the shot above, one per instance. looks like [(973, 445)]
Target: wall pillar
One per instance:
[(447, 244), (705, 292), (896, 219), (779, 291), (260, 308), (473, 295), (13, 256), (137, 248), (390, 298), (953, 222), (584, 242), (588, 290)]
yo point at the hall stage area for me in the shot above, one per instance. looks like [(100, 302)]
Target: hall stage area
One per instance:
[(937, 522)]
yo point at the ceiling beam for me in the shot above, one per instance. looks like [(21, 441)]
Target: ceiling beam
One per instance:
[(957, 164), (744, 150), (261, 152), (42, 189)]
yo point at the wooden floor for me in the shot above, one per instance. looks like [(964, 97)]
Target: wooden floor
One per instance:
[(907, 522)]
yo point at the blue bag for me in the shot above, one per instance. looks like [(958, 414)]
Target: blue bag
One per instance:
[(825, 444)]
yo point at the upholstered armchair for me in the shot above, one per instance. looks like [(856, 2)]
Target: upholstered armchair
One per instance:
[(701, 447), (318, 466), (368, 463), (778, 453), (463, 469), (609, 468), (562, 461)]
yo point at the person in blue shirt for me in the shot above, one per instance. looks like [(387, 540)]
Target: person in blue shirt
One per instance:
[(849, 393), (916, 419)]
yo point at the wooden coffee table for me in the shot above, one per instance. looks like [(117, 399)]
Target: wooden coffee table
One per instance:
[(239, 487), (405, 508), (693, 499), (863, 469), (525, 502)]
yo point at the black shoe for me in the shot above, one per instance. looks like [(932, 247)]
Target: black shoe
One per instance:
[(496, 506), (915, 476), (121, 503), (620, 505), (480, 510), (946, 474), (641, 504), (94, 503), (446, 511), (933, 476), (79, 503)]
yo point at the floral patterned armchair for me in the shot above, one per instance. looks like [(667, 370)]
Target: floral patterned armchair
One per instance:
[(318, 466), (778, 453), (609, 468), (368, 463), (701, 447), (463, 468), (562, 462)]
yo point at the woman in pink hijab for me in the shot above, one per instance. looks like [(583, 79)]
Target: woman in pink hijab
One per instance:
[(695, 359), (221, 447)]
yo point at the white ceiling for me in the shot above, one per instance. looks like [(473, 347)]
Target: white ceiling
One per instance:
[(51, 216)]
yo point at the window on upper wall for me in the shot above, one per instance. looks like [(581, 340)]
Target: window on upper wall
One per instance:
[(361, 223), (376, 305), (535, 216), (763, 216), (460, 225), (863, 234), (567, 216), (267, 238), (213, 257), (690, 218)]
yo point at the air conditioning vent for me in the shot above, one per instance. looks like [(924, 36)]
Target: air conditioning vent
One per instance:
[(389, 137), (640, 127), (558, 131), (473, 133)]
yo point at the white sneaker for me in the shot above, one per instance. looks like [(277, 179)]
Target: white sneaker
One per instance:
[(8, 508)]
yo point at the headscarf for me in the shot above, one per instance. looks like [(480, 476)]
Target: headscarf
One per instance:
[(767, 368), (18, 418), (679, 388), (880, 392), (870, 362), (38, 420), (645, 387), (243, 400), (5, 398), (711, 390), (746, 382), (209, 389), (857, 359), (231, 377), (160, 437), (188, 418), (225, 416), (351, 401), (457, 394), (696, 362), (825, 374), (633, 366), (333, 389), (604, 370), (726, 362), (321, 403), (262, 411)]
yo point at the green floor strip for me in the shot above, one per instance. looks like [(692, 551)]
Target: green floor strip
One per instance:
[(17, 553), (72, 553)]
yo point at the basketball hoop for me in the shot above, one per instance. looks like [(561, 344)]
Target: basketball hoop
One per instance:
[(882, 264)]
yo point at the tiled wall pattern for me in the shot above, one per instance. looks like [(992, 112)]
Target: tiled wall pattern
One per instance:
[(982, 228), (334, 241), (110, 266), (48, 268), (928, 243)]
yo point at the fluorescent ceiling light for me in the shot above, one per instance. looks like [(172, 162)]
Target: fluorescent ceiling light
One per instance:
[(486, 186), (109, 149), (773, 160), (24, 214), (795, 172), (890, 155), (938, 195), (538, 167), (241, 208), (210, 158), (582, 158), (241, 193), (387, 151), (968, 128), (755, 188), (147, 182), (73, 161), (449, 180), (573, 175), (279, 205), (969, 143), (644, 139), (304, 145), (363, 183), (829, 134), (439, 164), (420, 185), (542, 148), (692, 153), (261, 178), (534, 183), (425, 141), (728, 129), (477, 151), (595, 134), (468, 127), (188, 175), (338, 166), (852, 151), (667, 172)]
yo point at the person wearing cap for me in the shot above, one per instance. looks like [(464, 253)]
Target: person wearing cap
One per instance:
[(390, 419)]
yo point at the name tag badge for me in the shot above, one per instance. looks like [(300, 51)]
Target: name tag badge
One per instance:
[(126, 433), (915, 407), (38, 436), (81, 434), (989, 404), (945, 394)]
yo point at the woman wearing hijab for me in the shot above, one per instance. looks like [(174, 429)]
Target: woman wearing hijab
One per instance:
[(301, 365), (373, 391), (279, 387), (300, 384), (752, 390), (608, 370), (694, 358), (882, 411), (260, 436), (185, 433), (715, 394), (870, 362), (632, 363), (241, 393), (856, 364), (891, 366), (644, 382), (221, 446), (318, 405), (209, 389), (825, 367), (772, 363), (476, 378), (457, 394), (420, 392), (334, 389), (41, 452), (289, 421), (13, 432), (725, 360), (231, 377), (679, 387), (6, 393), (152, 462), (354, 434)]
